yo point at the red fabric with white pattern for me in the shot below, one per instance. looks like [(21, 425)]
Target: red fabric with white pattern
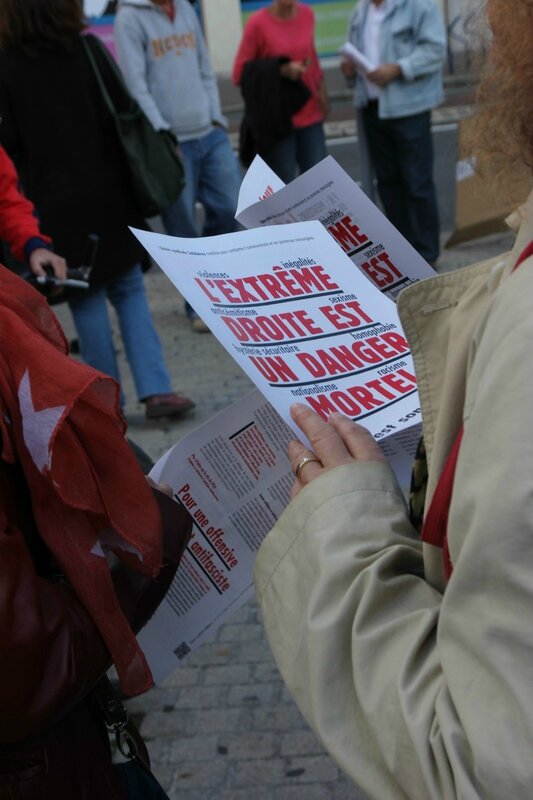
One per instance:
[(60, 420)]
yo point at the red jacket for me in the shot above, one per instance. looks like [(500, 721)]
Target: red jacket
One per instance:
[(18, 223)]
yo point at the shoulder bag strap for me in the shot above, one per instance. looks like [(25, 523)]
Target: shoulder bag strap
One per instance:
[(95, 51), (435, 527), (118, 722), (526, 253), (105, 94)]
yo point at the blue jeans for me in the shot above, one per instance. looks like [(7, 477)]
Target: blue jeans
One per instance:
[(302, 148), (213, 178), (141, 342), (401, 151)]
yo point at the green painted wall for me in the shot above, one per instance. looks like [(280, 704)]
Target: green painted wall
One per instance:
[(331, 23)]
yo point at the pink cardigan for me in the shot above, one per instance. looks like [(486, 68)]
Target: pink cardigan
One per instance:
[(267, 36)]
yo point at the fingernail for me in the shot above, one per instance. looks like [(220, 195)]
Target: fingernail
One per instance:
[(296, 408)]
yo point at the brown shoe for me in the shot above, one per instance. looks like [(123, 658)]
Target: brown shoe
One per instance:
[(166, 405)]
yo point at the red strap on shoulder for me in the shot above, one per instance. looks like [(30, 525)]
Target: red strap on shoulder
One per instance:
[(526, 253), (435, 527)]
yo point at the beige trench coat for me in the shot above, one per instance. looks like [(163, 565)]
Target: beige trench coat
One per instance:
[(419, 693)]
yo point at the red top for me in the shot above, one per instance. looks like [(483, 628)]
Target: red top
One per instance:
[(60, 421), (267, 36), (17, 223)]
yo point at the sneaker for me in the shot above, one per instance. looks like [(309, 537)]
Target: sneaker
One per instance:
[(199, 326), (166, 405)]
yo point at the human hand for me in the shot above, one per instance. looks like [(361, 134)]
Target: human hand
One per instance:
[(348, 68), (335, 442), (293, 70), (384, 74), (41, 257)]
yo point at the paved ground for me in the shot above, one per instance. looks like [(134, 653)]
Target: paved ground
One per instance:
[(223, 725)]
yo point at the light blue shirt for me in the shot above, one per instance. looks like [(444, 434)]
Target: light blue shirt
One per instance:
[(412, 35)]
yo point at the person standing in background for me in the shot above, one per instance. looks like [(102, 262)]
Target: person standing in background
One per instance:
[(163, 55), (71, 492), (406, 41), (60, 135), (284, 33), (404, 635)]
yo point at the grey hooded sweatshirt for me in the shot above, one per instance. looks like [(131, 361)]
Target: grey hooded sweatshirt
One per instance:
[(167, 68)]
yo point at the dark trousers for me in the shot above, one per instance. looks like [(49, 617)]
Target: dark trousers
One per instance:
[(301, 149), (401, 151)]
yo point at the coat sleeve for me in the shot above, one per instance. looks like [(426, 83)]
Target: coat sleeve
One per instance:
[(18, 224), (420, 695), (430, 43), (9, 133)]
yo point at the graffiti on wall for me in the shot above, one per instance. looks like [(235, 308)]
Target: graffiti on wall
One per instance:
[(465, 25)]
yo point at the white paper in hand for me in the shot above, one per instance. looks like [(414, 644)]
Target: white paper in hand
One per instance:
[(259, 183), (359, 59)]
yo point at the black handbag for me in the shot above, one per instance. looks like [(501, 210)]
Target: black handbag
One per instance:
[(138, 780), (156, 171)]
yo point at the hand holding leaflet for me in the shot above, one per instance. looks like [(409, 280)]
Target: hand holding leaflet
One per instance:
[(359, 59), (287, 303), (234, 477)]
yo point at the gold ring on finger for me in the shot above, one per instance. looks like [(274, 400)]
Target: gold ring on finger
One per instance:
[(303, 462)]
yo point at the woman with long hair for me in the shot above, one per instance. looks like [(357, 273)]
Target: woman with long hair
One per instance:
[(60, 135), (74, 508), (410, 655)]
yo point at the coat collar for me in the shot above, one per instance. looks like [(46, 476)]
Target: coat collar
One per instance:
[(439, 317), (362, 8)]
